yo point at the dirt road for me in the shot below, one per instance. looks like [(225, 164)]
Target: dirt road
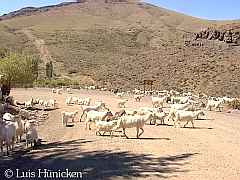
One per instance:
[(210, 151)]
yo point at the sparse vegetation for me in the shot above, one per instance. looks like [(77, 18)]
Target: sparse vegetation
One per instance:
[(235, 104), (19, 69), (55, 83)]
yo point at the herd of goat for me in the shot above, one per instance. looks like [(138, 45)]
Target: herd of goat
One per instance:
[(182, 107)]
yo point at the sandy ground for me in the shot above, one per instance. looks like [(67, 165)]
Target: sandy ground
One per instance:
[(210, 151)]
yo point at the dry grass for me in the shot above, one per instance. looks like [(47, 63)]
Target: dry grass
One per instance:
[(235, 104)]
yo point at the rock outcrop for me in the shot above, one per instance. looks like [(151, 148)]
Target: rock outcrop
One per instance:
[(228, 36)]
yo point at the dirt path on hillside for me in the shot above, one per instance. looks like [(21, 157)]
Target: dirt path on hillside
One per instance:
[(40, 45), (210, 151), (45, 54)]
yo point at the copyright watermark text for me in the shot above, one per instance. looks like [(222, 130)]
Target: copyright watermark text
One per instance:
[(42, 173)]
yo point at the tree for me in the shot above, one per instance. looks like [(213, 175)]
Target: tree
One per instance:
[(49, 70), (19, 68)]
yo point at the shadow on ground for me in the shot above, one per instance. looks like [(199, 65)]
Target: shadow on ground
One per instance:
[(104, 164)]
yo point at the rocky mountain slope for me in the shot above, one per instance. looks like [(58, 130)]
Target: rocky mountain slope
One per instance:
[(120, 43)]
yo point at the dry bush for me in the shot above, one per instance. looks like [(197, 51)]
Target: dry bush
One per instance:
[(235, 104)]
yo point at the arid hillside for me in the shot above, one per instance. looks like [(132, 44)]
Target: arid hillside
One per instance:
[(119, 43)]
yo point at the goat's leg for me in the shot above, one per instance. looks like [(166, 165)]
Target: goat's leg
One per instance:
[(150, 121), (89, 126), (13, 139), (1, 144), (162, 121), (7, 149), (81, 117), (63, 122), (141, 132), (66, 121), (185, 124), (154, 121), (125, 133), (192, 124), (111, 134), (175, 124), (137, 132), (179, 124), (220, 109)]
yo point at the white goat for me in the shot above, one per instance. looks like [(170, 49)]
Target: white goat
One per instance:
[(29, 103), (157, 113), (36, 101), (19, 122), (7, 132), (175, 107), (86, 109), (53, 90), (66, 116), (137, 121), (158, 116), (93, 116), (68, 100), (41, 102), (136, 91), (214, 104), (84, 101), (69, 90), (59, 91), (52, 103), (158, 101), (186, 116), (31, 134), (19, 128), (120, 94), (105, 126), (15, 102), (138, 97), (179, 99), (46, 104), (74, 100), (91, 88), (122, 103)]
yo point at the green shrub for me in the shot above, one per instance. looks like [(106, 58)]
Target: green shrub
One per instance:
[(19, 69), (55, 83)]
